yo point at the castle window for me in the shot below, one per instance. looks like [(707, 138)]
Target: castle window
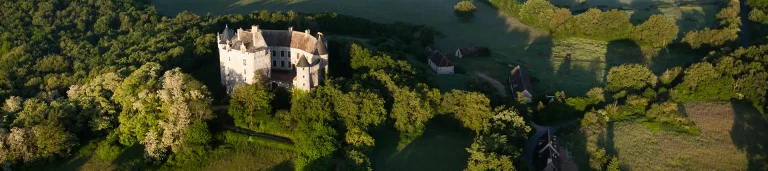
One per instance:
[(289, 66), (282, 53), (274, 63), (243, 61), (282, 63), (273, 53)]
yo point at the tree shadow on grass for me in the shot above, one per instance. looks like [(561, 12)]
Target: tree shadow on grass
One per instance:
[(131, 158), (284, 166), (750, 133), (441, 147)]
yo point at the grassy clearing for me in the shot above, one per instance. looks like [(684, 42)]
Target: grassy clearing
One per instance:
[(256, 158), (239, 152), (442, 147), (732, 138)]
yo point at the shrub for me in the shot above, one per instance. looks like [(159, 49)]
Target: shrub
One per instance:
[(465, 6), (670, 75), (465, 9), (107, 152)]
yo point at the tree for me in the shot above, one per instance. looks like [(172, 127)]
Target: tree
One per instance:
[(464, 9), (482, 158), (537, 13), (471, 108), (629, 77), (711, 37), (658, 31), (254, 99), (613, 165)]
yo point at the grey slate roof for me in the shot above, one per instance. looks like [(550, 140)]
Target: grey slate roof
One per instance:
[(519, 80), (298, 40), (302, 62), (439, 59)]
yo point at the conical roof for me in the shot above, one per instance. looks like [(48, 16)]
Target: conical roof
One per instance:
[(302, 62)]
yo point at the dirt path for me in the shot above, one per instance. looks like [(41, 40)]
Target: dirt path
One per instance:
[(497, 84)]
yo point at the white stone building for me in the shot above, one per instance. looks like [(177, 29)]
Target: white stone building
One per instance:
[(438, 61), (285, 58)]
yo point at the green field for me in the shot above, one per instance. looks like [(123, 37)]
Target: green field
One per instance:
[(732, 138)]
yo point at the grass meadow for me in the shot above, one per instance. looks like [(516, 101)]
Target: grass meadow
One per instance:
[(732, 138)]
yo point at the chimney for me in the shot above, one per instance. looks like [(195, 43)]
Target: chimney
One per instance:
[(306, 31), (239, 33), (254, 31), (290, 29)]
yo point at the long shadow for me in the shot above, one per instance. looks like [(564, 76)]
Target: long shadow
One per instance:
[(284, 166), (750, 133), (622, 52), (441, 147)]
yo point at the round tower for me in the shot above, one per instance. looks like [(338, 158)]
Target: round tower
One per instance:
[(303, 78)]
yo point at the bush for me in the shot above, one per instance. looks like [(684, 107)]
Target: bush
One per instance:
[(670, 75), (107, 152)]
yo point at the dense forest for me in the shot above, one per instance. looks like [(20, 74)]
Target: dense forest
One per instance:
[(115, 75)]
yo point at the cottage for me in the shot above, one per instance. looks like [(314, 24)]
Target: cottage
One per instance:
[(440, 63), (519, 82)]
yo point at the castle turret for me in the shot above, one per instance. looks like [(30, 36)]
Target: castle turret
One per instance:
[(303, 77)]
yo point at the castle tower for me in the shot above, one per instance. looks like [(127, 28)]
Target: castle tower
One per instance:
[(303, 76)]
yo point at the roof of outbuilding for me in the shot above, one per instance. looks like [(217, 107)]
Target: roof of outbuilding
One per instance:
[(519, 80), (439, 59)]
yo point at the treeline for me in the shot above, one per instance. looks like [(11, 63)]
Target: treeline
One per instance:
[(726, 32), (610, 25), (759, 11)]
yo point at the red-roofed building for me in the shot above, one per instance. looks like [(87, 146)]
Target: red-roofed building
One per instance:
[(440, 63)]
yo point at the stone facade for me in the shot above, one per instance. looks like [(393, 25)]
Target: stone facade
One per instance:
[(286, 58)]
